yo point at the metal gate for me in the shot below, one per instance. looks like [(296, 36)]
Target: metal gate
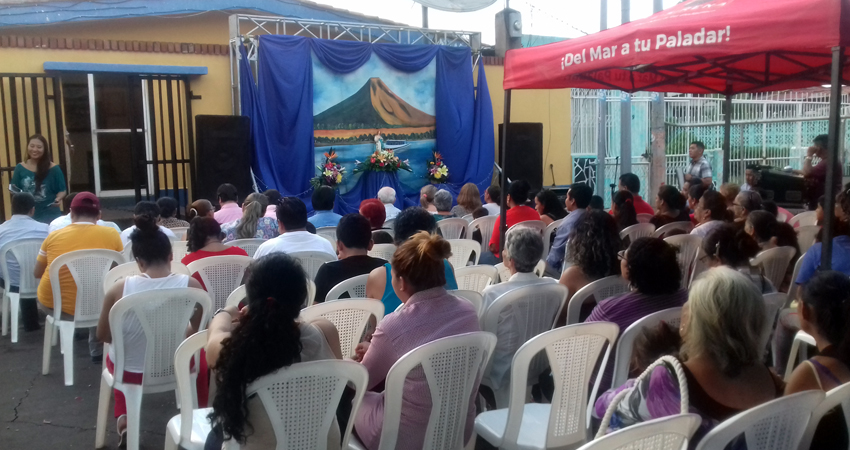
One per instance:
[(29, 104)]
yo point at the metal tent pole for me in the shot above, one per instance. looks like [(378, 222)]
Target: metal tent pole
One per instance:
[(832, 159), (503, 225), (727, 133)]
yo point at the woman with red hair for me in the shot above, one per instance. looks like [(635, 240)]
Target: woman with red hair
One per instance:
[(373, 210)]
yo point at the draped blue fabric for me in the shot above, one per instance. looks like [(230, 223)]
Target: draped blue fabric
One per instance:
[(282, 119)]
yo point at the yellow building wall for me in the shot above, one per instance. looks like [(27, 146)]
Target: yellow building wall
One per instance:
[(549, 107)]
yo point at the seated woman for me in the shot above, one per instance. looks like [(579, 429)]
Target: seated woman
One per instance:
[(407, 223), (443, 203), (204, 240), (430, 313), (152, 250), (426, 197), (168, 213), (761, 225), (824, 313), (650, 267), (468, 200), (253, 224), (374, 210), (200, 208), (549, 207), (728, 246), (623, 209), (275, 289), (592, 253), (721, 356), (670, 206)]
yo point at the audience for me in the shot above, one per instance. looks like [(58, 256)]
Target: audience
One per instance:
[(253, 224), (721, 355), (728, 246), (227, 198), (597, 203), (380, 284), (694, 194), (200, 208), (261, 338), (443, 203), (21, 226), (82, 234), (577, 201), (630, 183), (549, 207), (152, 250), (204, 240), (745, 203), (146, 209), (709, 213), (373, 210), (670, 206), (492, 197), (426, 197), (294, 237), (273, 195), (517, 212), (387, 196), (762, 226), (353, 241), (751, 177), (429, 313), (168, 213), (477, 214), (730, 191), (623, 210), (63, 221), (840, 247), (323, 204), (468, 200)]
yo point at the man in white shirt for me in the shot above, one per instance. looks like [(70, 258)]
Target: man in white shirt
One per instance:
[(294, 237), (521, 255), (387, 196), (143, 208), (492, 196), (227, 198), (22, 226), (709, 213), (63, 221)]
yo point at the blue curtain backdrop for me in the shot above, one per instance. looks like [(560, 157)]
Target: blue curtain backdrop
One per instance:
[(281, 111)]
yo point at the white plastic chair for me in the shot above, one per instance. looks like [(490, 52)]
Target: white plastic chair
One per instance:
[(837, 397), (684, 226), (389, 226), (666, 433), (644, 217), (772, 303), (798, 348), (688, 246), (311, 294), (163, 315), (637, 231), (806, 235), (626, 343), (473, 297), (534, 310), (249, 245), (701, 264), (468, 218), (548, 233), (354, 286), (599, 290), (349, 316), (328, 233), (130, 269), (573, 352), (311, 261), (483, 225), (127, 253), (221, 275), (180, 232), (179, 249), (383, 251), (794, 288), (538, 225), (88, 268), (452, 228), (25, 252), (236, 297), (803, 219), (179, 268), (462, 250), (475, 278), (504, 272), (452, 366), (190, 428), (775, 262), (776, 425)]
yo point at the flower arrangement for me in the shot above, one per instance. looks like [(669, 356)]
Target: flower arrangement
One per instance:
[(330, 172), (438, 172), (382, 160)]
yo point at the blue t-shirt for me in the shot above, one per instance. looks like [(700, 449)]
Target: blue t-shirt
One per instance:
[(840, 259), (325, 219), (391, 301)]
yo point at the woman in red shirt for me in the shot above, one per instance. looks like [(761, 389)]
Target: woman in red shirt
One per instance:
[(204, 240)]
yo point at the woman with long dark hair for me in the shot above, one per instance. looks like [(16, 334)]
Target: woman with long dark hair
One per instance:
[(734, 248), (39, 176), (204, 240), (623, 209), (670, 206), (549, 207), (259, 339)]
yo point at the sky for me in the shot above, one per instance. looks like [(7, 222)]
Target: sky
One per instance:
[(560, 18)]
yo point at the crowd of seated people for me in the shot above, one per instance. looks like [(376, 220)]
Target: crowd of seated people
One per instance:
[(719, 345)]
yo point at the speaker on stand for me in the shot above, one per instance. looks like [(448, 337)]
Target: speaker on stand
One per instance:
[(525, 154), (223, 155)]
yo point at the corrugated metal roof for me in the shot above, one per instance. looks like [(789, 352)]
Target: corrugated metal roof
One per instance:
[(22, 12)]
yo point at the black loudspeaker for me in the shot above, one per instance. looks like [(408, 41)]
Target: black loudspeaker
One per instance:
[(223, 146), (525, 153)]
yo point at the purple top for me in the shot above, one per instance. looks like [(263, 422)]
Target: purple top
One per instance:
[(427, 316)]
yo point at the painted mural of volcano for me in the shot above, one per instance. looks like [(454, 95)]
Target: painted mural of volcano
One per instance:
[(373, 106)]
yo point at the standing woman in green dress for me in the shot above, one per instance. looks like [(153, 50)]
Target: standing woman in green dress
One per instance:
[(42, 178)]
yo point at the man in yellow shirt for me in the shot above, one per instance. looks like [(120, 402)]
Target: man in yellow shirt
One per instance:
[(82, 234)]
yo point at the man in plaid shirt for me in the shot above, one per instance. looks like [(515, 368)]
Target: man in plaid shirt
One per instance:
[(699, 169)]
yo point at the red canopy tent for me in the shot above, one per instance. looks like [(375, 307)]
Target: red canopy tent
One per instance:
[(704, 46)]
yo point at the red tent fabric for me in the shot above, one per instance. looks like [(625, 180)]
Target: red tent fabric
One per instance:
[(698, 46)]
